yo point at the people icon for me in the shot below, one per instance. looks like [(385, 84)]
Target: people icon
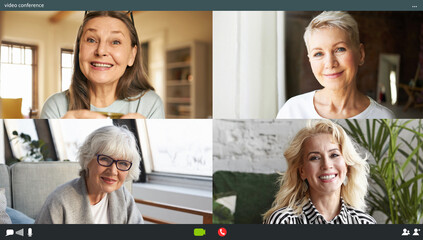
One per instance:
[(405, 232), (416, 232)]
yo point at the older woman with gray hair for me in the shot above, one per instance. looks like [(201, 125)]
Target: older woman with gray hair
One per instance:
[(108, 158), (335, 54)]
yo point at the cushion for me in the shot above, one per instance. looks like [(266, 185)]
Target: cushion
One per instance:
[(254, 193), (4, 218), (33, 182), (224, 209), (5, 182), (18, 217)]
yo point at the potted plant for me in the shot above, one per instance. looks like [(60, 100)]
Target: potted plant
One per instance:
[(37, 150), (396, 173)]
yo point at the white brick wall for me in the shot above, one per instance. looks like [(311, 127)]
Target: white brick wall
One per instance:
[(252, 145)]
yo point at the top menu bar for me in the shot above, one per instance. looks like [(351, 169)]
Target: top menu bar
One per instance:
[(215, 5)]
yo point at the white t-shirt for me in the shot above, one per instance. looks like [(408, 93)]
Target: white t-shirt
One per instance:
[(302, 107), (99, 211)]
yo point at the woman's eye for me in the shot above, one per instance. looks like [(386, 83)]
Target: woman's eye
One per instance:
[(90, 40), (318, 54), (116, 42), (314, 158), (334, 155), (341, 49)]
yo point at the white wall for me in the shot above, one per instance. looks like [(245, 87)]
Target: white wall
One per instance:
[(252, 145)]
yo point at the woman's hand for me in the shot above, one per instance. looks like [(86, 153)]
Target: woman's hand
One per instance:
[(83, 114), (132, 116)]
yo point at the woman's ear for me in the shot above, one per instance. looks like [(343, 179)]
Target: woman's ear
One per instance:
[(132, 56), (302, 173)]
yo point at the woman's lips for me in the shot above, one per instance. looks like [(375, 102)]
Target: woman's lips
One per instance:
[(328, 177), (333, 75), (101, 65), (108, 180)]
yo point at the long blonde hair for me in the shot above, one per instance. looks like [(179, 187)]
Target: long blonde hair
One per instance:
[(291, 193)]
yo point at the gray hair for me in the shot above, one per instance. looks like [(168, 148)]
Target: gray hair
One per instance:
[(337, 19), (111, 141)]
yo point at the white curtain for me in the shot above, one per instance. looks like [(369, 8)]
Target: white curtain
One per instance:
[(2, 160), (248, 64)]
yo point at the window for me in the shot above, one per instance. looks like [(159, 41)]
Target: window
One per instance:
[(18, 77), (25, 126), (69, 134), (177, 146), (66, 67)]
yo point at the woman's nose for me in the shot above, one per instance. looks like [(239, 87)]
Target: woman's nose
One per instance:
[(326, 163), (330, 61), (113, 169), (101, 49)]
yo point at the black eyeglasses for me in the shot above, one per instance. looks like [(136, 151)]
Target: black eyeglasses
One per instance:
[(127, 13), (107, 161)]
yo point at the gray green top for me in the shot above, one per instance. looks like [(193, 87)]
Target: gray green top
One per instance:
[(69, 204), (150, 105)]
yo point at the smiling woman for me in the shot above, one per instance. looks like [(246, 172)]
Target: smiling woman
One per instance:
[(325, 181), (108, 74), (335, 54), (108, 158)]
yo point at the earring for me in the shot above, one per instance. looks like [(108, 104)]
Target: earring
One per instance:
[(345, 181), (361, 63)]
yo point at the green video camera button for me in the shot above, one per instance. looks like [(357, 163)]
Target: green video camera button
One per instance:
[(199, 232)]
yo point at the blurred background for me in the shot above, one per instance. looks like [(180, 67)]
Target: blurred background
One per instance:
[(37, 58)]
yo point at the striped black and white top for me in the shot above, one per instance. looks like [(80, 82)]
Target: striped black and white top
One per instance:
[(311, 215)]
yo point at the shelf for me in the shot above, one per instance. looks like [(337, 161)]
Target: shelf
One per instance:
[(172, 83), (178, 65), (178, 100), (177, 116), (187, 84)]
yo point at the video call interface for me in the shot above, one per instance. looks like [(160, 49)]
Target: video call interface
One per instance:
[(236, 121)]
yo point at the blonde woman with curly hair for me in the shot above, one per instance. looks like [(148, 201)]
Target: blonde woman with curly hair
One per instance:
[(326, 179)]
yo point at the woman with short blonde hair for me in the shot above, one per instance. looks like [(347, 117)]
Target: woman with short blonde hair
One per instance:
[(335, 55)]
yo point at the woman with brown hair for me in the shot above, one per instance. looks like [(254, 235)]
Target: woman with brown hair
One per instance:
[(108, 77)]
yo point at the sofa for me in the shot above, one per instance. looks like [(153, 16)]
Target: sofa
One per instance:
[(254, 194), (29, 184)]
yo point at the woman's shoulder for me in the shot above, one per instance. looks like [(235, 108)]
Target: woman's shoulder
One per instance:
[(150, 94), (59, 97), (300, 106), (376, 110), (146, 95), (55, 106), (283, 215), (63, 192), (151, 105)]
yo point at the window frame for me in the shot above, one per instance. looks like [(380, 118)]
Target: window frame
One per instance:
[(164, 178), (64, 50), (34, 48)]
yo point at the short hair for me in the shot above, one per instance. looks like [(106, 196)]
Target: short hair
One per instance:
[(337, 19), (132, 83), (111, 141), (291, 193)]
